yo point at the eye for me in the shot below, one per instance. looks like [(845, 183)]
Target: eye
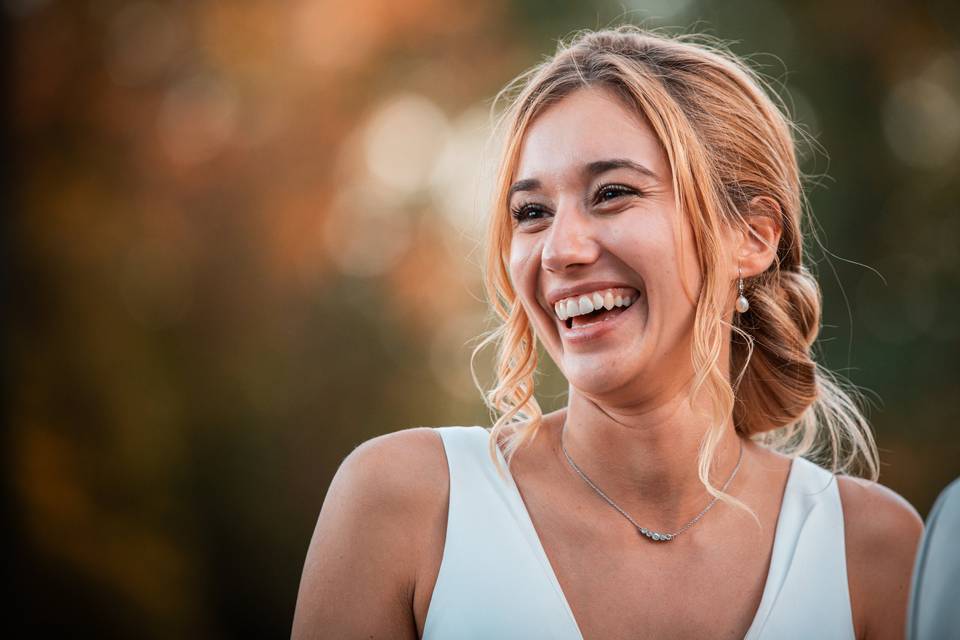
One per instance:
[(608, 192), (526, 212)]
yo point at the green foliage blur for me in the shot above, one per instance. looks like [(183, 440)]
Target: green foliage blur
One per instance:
[(245, 239)]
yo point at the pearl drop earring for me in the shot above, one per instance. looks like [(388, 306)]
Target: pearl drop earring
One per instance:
[(742, 303)]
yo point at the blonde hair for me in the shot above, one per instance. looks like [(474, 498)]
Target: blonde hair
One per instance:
[(727, 142)]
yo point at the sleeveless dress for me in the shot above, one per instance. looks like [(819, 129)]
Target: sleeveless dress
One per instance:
[(495, 579)]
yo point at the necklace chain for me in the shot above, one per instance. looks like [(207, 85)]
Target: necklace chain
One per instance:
[(656, 536)]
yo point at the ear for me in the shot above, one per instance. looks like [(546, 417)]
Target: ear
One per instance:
[(755, 248)]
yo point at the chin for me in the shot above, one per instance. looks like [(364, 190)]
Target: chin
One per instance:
[(598, 377)]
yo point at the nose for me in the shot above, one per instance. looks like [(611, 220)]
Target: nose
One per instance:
[(569, 240)]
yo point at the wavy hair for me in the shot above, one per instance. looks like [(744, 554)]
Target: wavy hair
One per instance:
[(728, 139)]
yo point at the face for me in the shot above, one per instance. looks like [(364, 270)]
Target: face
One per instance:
[(594, 219)]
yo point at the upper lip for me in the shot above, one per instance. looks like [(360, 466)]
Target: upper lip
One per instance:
[(556, 295)]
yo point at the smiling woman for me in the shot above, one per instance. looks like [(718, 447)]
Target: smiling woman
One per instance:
[(647, 231)]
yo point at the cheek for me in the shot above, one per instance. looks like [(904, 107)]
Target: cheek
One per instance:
[(523, 260), (524, 275), (669, 253), (646, 249)]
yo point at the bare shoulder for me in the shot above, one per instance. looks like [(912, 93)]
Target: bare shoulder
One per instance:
[(390, 477), (403, 466), (361, 567), (882, 532), (879, 514)]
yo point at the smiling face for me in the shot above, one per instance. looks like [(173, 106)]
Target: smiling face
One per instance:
[(594, 211)]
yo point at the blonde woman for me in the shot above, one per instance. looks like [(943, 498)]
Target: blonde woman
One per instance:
[(647, 231)]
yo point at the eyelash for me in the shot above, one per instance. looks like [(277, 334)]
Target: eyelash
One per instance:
[(521, 210)]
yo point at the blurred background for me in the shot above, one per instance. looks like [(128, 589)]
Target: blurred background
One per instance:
[(244, 239)]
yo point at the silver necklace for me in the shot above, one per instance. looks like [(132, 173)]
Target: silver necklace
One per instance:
[(656, 536)]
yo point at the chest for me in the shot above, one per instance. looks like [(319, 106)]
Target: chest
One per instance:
[(519, 559), (649, 594), (707, 582)]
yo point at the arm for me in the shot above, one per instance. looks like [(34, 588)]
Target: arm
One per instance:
[(882, 533), (360, 570)]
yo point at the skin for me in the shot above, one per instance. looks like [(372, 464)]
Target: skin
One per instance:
[(376, 551)]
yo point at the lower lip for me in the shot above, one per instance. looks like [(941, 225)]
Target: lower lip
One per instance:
[(586, 333)]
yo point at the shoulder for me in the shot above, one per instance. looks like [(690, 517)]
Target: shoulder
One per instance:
[(403, 464), (877, 515), (370, 537), (882, 532), (396, 477)]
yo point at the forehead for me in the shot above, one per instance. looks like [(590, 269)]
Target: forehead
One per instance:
[(589, 124)]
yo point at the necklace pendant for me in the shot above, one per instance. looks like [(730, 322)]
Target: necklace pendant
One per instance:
[(656, 536)]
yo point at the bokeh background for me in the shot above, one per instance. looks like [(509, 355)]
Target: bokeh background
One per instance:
[(244, 239)]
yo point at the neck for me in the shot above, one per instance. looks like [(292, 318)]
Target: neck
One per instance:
[(646, 458)]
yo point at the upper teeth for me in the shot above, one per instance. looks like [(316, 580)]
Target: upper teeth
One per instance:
[(587, 303)]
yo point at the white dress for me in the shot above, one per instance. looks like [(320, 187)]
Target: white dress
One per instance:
[(495, 580)]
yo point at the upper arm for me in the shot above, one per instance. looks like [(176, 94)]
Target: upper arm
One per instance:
[(882, 533), (360, 569)]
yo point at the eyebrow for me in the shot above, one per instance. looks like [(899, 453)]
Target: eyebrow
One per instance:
[(591, 169)]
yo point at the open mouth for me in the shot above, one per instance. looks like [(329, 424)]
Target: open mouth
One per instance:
[(597, 316), (594, 308)]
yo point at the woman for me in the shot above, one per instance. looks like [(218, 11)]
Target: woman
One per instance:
[(647, 231)]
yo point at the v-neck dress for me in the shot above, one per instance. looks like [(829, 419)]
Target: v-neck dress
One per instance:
[(495, 579)]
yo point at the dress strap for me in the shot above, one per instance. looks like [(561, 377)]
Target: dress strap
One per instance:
[(808, 568), (491, 583)]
